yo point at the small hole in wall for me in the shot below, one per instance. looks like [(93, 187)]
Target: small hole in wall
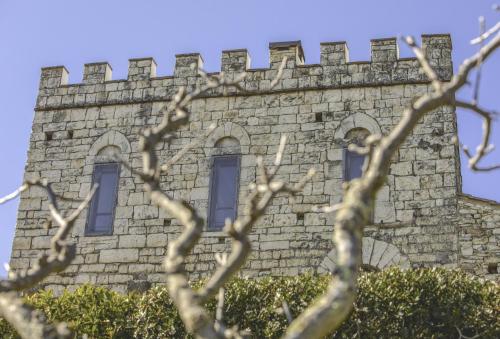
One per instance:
[(222, 240), (167, 222), (300, 216), (48, 136), (318, 117), (70, 134), (493, 268)]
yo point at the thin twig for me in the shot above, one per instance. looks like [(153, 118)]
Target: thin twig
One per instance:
[(424, 63), (287, 312), (276, 80), (166, 167), (461, 335), (14, 194), (477, 83), (484, 36), (484, 147)]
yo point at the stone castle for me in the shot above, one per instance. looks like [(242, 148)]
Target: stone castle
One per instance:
[(421, 216)]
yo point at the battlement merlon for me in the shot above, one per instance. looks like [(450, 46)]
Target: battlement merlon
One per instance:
[(291, 49), (141, 69), (334, 53), (97, 73), (438, 50), (335, 70), (54, 76), (235, 61), (384, 50)]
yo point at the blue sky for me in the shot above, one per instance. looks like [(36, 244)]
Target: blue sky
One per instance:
[(34, 34)]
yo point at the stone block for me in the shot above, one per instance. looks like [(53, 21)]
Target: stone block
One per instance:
[(274, 245), (157, 240), (145, 212), (407, 183), (136, 240), (119, 256)]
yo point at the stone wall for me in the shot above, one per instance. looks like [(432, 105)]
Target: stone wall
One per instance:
[(479, 236), (77, 125)]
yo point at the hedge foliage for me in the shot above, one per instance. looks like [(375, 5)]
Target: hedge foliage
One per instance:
[(423, 303)]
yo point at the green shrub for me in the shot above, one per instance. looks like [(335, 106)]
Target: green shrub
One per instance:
[(423, 303), (257, 304), (157, 317), (95, 311)]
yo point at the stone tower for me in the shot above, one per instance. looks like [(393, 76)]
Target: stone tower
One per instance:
[(421, 217)]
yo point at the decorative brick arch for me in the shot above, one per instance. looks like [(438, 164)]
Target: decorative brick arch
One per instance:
[(376, 254), (357, 120), (229, 129), (110, 138)]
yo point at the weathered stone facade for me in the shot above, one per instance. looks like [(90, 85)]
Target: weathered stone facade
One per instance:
[(420, 219)]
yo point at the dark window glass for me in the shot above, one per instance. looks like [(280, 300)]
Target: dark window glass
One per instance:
[(353, 165), (103, 204), (223, 190)]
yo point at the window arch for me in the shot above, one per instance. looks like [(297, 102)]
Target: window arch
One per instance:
[(224, 182), (227, 145)]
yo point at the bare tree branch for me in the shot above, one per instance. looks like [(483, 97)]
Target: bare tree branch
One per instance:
[(28, 322), (165, 167), (287, 312), (484, 147), (219, 313), (175, 115), (188, 302), (484, 36), (61, 252), (477, 83), (424, 63), (461, 335), (328, 312), (14, 194), (275, 81)]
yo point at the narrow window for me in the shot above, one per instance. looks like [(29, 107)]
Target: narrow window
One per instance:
[(223, 190), (353, 165), (353, 162), (102, 206)]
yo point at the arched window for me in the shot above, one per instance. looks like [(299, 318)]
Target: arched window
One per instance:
[(353, 162), (224, 183), (106, 175)]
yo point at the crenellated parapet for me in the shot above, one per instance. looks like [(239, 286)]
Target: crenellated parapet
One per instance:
[(335, 70)]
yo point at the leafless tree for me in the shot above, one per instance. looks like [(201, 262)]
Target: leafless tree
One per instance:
[(331, 309), (28, 322)]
